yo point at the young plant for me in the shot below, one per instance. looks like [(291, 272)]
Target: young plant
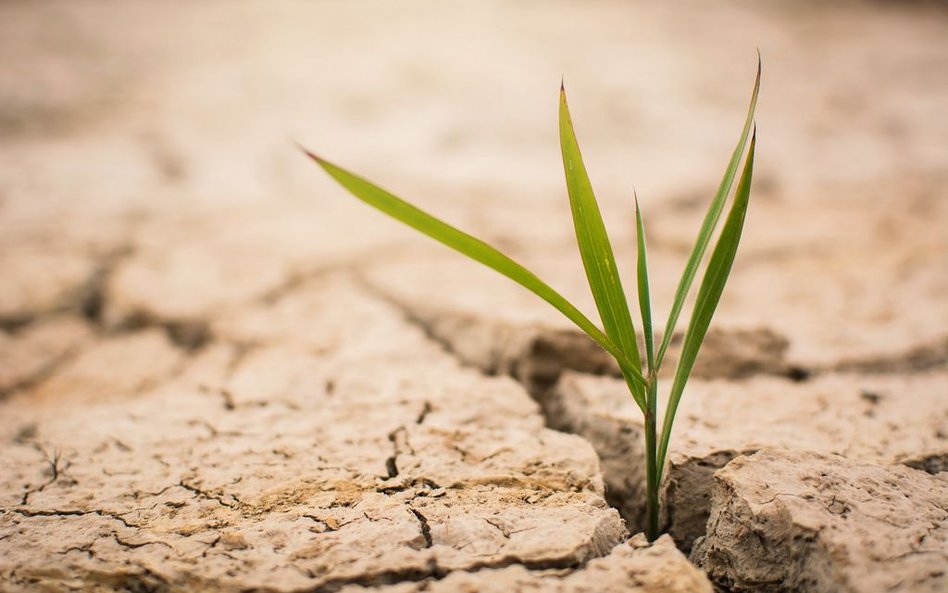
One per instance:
[(619, 337)]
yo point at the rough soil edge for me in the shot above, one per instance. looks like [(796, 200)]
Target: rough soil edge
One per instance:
[(632, 567), (804, 522), (538, 357), (55, 504)]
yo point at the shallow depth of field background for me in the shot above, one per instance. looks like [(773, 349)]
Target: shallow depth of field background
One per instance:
[(151, 149), (150, 172), (165, 133), (204, 340)]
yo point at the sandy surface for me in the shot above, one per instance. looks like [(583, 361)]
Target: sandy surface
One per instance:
[(204, 343)]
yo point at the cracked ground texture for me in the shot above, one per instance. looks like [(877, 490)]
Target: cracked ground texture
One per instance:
[(220, 373)]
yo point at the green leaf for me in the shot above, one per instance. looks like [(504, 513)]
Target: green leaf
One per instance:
[(707, 226), (596, 251), (645, 306), (709, 294), (473, 248)]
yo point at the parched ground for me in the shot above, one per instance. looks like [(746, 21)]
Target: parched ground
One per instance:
[(218, 372)]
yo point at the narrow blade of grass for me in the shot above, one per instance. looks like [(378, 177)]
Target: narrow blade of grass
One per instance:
[(645, 306), (475, 249), (596, 251), (708, 226), (651, 397), (709, 294)]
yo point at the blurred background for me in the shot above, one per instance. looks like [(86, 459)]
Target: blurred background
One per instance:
[(149, 169)]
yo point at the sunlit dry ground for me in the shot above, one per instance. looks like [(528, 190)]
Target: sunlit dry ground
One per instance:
[(218, 370)]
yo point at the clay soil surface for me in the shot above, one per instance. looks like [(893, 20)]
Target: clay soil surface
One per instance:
[(219, 372)]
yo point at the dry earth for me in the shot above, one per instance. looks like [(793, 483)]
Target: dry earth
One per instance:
[(220, 373)]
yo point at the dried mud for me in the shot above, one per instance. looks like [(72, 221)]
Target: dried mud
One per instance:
[(219, 373)]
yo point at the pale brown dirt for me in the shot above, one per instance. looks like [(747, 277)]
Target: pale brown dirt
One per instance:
[(797, 521), (219, 372)]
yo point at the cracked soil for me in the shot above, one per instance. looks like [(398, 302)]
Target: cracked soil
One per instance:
[(220, 373)]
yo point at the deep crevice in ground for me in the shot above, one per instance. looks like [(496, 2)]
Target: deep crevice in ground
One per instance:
[(537, 368), (542, 355), (97, 299)]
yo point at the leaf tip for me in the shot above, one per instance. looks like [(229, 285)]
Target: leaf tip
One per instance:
[(312, 155), (760, 62)]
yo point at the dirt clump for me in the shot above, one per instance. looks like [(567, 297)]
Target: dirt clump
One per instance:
[(799, 521)]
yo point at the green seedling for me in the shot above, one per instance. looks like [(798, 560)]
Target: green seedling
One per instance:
[(618, 336)]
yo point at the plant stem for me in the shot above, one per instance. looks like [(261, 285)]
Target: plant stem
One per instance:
[(652, 471)]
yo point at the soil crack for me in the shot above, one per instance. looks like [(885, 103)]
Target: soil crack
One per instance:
[(423, 524), (131, 546), (209, 496), (72, 513), (53, 460), (921, 358), (46, 371)]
